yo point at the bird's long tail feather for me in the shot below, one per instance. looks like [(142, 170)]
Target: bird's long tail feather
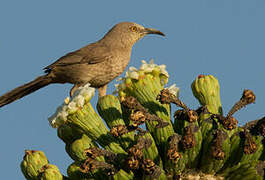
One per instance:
[(24, 90)]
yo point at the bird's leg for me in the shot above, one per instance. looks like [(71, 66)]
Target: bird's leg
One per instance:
[(74, 88), (102, 91)]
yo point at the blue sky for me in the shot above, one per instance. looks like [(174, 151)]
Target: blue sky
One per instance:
[(220, 37)]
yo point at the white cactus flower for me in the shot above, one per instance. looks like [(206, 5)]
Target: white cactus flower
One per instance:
[(79, 100), (71, 105), (133, 73), (173, 89), (163, 70), (132, 68)]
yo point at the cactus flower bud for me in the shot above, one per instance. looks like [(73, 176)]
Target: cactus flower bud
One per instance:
[(207, 90), (74, 172), (77, 148), (50, 172), (32, 164), (68, 134), (109, 108)]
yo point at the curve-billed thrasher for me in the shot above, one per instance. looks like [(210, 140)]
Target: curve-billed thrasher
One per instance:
[(97, 63)]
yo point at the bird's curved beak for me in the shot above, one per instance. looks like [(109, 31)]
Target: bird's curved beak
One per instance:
[(153, 31)]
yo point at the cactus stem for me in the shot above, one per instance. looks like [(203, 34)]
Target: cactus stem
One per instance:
[(120, 130), (94, 152), (141, 114), (248, 97), (165, 97), (89, 165)]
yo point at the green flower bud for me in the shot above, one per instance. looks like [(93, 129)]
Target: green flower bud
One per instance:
[(68, 134), (50, 172), (77, 148), (109, 108), (32, 164), (74, 172), (207, 90)]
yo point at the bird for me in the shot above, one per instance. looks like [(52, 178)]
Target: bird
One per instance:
[(97, 63)]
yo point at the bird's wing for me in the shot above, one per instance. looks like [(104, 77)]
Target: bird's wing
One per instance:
[(87, 55)]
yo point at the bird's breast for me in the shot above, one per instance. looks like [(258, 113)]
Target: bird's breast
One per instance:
[(108, 70)]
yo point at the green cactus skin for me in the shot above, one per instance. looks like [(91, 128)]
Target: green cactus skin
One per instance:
[(180, 122), (237, 149), (32, 164), (235, 144), (207, 125), (51, 172), (249, 171), (109, 108), (215, 152), (152, 151), (74, 172), (76, 149), (175, 164), (122, 175), (177, 167), (192, 155), (161, 177), (68, 134)]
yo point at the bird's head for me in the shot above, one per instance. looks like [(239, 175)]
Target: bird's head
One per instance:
[(128, 33)]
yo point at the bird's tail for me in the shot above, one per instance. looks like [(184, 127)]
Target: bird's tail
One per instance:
[(24, 90)]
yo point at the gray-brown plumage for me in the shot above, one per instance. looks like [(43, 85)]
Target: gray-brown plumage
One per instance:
[(97, 63)]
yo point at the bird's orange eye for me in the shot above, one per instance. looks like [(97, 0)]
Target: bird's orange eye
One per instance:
[(133, 28)]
